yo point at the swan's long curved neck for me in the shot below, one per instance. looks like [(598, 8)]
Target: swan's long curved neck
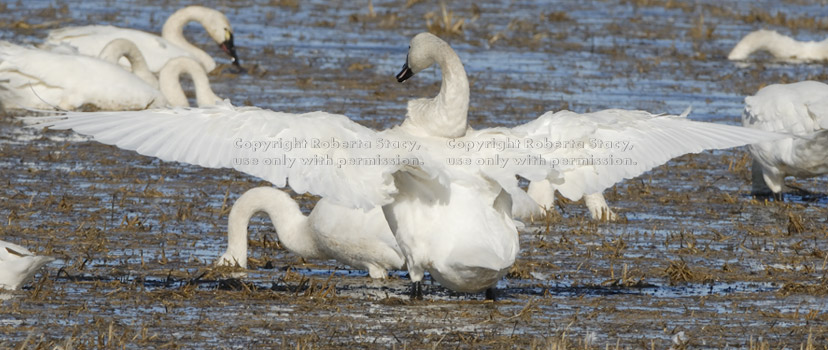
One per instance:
[(292, 227), (173, 31), (115, 49), (170, 81), (445, 115), (778, 45)]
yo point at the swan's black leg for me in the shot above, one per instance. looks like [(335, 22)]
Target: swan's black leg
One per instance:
[(417, 290), (491, 294), (779, 196)]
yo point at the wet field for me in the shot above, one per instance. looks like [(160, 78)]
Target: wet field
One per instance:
[(695, 262)]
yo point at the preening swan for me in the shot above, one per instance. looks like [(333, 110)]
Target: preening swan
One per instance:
[(780, 46), (43, 79), (351, 236), (89, 40), (18, 264), (800, 109), (449, 207)]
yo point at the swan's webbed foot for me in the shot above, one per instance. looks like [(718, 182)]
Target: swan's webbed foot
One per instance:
[(491, 294), (417, 290)]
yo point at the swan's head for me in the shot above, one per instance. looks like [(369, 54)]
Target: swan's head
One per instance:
[(421, 54), (228, 47), (218, 26)]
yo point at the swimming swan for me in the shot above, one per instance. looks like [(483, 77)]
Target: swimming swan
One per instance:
[(351, 236), (800, 109), (44, 79), (18, 264), (449, 209), (89, 40), (779, 46)]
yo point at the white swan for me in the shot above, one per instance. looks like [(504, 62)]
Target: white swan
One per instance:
[(351, 236), (170, 75), (780, 46), (18, 264), (43, 79), (123, 48), (800, 109), (170, 81), (449, 208), (89, 40)]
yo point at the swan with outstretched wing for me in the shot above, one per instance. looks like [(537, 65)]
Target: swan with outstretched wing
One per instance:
[(450, 208)]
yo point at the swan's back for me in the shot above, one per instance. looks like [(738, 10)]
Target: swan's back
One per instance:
[(356, 237), (800, 109), (90, 40)]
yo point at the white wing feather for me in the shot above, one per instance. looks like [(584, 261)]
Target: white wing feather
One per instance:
[(225, 136), (640, 140), (210, 137)]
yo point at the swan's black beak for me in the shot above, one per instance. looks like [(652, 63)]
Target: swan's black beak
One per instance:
[(228, 47), (405, 73)]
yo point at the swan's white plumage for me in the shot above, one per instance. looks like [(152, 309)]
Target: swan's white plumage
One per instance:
[(800, 109), (41, 79), (780, 46), (18, 264), (652, 140), (453, 221), (215, 137), (170, 83), (120, 48), (89, 40), (354, 237)]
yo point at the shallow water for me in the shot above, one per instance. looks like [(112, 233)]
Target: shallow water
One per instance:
[(135, 237)]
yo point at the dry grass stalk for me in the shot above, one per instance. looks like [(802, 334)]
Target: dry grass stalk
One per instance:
[(445, 24), (678, 272), (795, 225)]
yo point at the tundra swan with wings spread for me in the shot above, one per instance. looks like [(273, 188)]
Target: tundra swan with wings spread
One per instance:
[(450, 219)]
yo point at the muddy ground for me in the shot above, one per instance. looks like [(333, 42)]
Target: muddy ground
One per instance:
[(695, 263)]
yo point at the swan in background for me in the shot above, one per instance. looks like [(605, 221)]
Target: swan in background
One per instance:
[(18, 264), (450, 214), (800, 109), (89, 40), (118, 48), (170, 75), (43, 79), (780, 46), (170, 81), (351, 236)]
